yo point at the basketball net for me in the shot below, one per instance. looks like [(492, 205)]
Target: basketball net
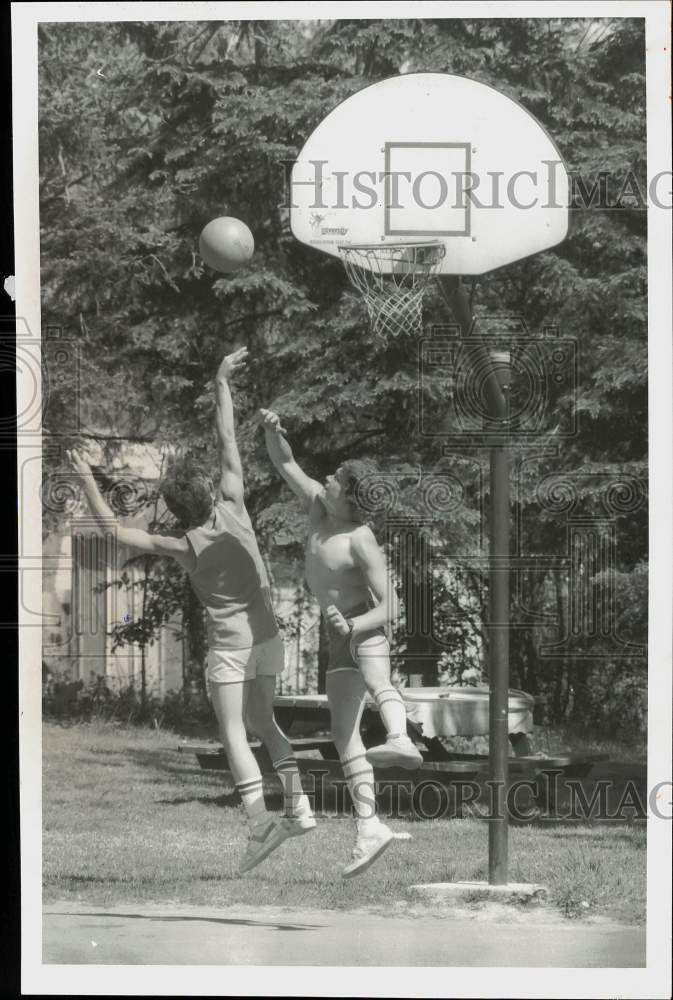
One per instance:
[(392, 279)]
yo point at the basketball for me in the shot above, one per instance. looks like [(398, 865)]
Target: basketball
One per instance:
[(225, 244)]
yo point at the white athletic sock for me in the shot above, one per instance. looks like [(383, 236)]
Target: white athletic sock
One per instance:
[(296, 802), (393, 712), (252, 796), (368, 826), (359, 774)]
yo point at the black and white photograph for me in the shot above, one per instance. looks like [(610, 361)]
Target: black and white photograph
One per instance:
[(343, 367)]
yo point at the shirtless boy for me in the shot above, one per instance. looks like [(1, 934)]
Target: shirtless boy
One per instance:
[(347, 573), (219, 552)]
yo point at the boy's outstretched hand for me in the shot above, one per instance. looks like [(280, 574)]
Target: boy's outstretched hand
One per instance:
[(271, 421), (233, 363)]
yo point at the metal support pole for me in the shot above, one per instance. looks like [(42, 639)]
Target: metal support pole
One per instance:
[(498, 629), (496, 392)]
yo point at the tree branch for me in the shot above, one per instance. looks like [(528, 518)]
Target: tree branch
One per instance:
[(367, 436)]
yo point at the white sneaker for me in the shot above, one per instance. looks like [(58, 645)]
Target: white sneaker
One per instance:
[(265, 840), (300, 824), (397, 751), (367, 849)]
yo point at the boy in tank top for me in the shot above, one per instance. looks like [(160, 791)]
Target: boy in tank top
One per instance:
[(219, 551)]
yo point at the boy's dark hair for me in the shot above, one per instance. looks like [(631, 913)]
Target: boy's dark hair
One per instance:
[(187, 491), (355, 472)]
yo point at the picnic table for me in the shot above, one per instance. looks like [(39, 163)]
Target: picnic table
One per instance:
[(434, 715)]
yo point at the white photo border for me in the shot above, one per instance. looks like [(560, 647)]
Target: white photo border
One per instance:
[(652, 981)]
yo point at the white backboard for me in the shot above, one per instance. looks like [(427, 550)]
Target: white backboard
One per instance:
[(431, 156)]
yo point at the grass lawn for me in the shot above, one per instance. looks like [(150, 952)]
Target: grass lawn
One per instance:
[(126, 818)]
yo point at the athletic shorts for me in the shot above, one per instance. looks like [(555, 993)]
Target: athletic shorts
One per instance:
[(229, 666), (345, 651)]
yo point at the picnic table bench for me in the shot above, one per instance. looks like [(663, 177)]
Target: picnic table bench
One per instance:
[(212, 757), (433, 715)]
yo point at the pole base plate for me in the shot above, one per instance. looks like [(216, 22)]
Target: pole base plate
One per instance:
[(482, 890)]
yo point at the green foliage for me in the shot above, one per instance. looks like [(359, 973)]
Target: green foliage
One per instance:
[(148, 130), (161, 588)]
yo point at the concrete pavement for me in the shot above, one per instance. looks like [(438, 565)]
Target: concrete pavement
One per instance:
[(495, 936)]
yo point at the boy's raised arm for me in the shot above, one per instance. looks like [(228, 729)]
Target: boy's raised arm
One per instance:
[(135, 538), (231, 471), (281, 455)]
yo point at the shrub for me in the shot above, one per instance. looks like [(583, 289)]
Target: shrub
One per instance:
[(101, 699)]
